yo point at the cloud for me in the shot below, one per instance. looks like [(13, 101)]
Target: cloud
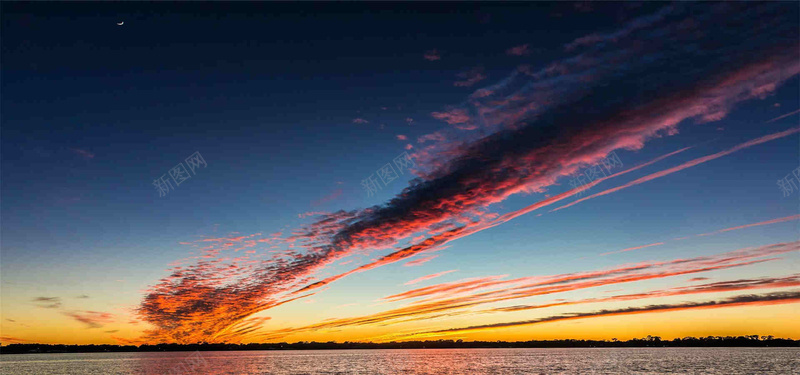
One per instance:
[(11, 339), (401, 137), (540, 126), (311, 213), (454, 116), (92, 319), (454, 298), (360, 121), (48, 302), (83, 153), (688, 164), (782, 116), (527, 287), (743, 300), (767, 222), (328, 198), (717, 287), (520, 50), (633, 248), (432, 55), (428, 277), (470, 77), (82, 296), (420, 261)]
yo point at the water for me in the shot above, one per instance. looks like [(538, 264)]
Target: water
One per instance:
[(418, 361)]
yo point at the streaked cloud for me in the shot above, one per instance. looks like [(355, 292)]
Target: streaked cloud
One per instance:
[(686, 165), (783, 116), (428, 277), (470, 77), (420, 261), (92, 319), (520, 50), (432, 55), (83, 153), (743, 300), (47, 302), (633, 248)]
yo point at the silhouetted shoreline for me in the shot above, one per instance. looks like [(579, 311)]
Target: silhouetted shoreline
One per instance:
[(649, 341)]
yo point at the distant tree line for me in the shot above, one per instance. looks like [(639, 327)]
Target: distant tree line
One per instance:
[(649, 341)]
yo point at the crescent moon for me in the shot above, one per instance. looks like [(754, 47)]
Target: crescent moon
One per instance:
[(120, 24)]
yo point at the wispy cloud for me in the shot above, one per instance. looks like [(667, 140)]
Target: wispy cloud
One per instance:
[(83, 153), (92, 319), (744, 300), (328, 198), (717, 287), (420, 261), (428, 277), (687, 164), (311, 213), (48, 302), (783, 116), (758, 224), (470, 77), (432, 55), (520, 50), (457, 297), (633, 248), (12, 340)]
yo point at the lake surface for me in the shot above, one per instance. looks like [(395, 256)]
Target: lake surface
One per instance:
[(417, 361)]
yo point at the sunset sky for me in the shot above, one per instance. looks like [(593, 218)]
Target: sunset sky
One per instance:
[(558, 170)]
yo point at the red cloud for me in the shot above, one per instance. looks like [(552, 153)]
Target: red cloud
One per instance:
[(470, 77), (453, 116), (518, 50), (420, 261), (432, 55)]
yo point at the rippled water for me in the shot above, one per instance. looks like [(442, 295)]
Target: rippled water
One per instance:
[(430, 361)]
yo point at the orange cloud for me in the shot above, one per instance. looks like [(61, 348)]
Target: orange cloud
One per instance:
[(428, 277), (420, 261), (633, 248), (744, 300)]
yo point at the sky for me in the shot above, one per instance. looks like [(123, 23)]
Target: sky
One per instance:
[(272, 172)]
